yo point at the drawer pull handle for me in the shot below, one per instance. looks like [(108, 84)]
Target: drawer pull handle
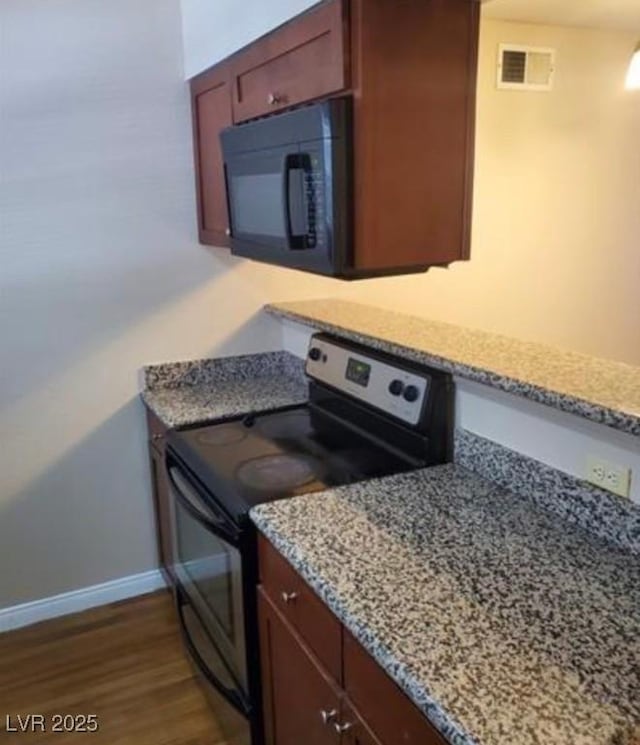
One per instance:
[(289, 597), (156, 436), (273, 99), (340, 728), (328, 716)]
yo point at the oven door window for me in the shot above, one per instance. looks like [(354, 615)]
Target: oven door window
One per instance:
[(209, 569), (270, 197), (207, 563)]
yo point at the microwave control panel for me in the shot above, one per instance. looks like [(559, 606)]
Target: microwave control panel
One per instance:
[(315, 199), (388, 387)]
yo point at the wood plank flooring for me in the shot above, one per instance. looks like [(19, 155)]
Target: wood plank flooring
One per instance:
[(123, 662)]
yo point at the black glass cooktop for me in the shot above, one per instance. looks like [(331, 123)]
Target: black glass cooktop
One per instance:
[(280, 454)]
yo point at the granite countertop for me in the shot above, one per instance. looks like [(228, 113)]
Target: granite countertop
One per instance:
[(600, 390), (184, 393), (504, 625)]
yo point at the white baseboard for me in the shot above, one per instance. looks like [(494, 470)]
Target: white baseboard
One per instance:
[(25, 614)]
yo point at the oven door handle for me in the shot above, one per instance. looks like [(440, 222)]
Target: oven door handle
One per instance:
[(233, 695), (212, 519)]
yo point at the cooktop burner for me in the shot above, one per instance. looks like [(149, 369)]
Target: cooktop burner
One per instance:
[(278, 454), (278, 472)]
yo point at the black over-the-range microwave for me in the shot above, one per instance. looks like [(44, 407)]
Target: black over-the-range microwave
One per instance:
[(289, 182)]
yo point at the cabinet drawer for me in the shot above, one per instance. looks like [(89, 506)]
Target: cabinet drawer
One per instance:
[(298, 603), (302, 60), (157, 431), (389, 713)]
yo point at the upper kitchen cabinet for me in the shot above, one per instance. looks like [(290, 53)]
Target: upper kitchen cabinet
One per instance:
[(211, 112), (414, 66), (300, 61), (407, 70)]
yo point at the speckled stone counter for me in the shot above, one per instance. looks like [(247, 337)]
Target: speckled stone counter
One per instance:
[(183, 393), (503, 624), (611, 518), (600, 390)]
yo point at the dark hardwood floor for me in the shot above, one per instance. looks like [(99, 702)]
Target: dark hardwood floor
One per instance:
[(122, 662)]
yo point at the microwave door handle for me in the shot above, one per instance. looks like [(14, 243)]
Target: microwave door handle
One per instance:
[(212, 520), (291, 161), (287, 165), (227, 196)]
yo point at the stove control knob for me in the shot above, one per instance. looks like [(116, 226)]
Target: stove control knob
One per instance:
[(315, 353), (411, 393), (396, 387)]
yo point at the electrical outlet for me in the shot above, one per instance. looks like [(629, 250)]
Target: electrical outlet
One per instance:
[(610, 476)]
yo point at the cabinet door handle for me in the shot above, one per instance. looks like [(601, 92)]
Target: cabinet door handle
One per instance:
[(156, 436), (341, 728), (328, 716), (273, 99), (289, 597)]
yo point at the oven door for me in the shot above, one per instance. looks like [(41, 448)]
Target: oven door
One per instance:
[(233, 712), (208, 568)]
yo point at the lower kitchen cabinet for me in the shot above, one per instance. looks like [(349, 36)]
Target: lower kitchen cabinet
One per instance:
[(301, 702), (306, 704), (385, 708), (354, 731), (160, 492)]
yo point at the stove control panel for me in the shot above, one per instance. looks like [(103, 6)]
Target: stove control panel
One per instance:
[(384, 385)]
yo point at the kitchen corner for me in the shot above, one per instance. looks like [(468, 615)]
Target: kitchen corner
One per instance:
[(499, 594), (320, 387)]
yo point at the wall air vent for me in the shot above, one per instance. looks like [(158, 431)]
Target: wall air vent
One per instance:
[(525, 68)]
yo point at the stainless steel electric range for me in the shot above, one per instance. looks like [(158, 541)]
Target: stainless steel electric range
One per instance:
[(368, 415)]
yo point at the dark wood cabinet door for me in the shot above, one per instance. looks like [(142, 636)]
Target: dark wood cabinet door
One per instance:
[(354, 731), (298, 695), (211, 112), (157, 431), (161, 496), (381, 703), (414, 113), (302, 608), (304, 59)]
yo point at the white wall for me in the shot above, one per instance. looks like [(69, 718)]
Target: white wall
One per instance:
[(213, 30), (100, 273), (553, 437), (556, 222)]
